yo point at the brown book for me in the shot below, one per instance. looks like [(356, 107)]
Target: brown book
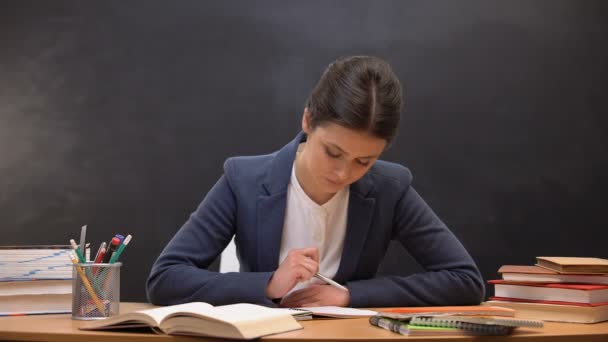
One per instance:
[(555, 312), (573, 264), (537, 274), (237, 321)]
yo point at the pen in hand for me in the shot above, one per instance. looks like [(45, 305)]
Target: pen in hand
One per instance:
[(330, 281), (327, 279)]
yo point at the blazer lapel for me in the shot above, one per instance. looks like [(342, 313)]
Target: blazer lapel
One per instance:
[(360, 212), (271, 205), (271, 215)]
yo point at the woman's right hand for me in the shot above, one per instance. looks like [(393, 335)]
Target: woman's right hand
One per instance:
[(299, 265)]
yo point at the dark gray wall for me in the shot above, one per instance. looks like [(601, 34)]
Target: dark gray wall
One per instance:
[(119, 114)]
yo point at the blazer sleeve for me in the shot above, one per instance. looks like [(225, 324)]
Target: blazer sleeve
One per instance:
[(450, 278), (180, 273)]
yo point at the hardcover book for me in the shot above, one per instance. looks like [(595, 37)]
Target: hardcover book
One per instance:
[(547, 311), (537, 274), (578, 293), (35, 262), (573, 264)]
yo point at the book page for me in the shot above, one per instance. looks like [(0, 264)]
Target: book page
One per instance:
[(242, 321), (161, 313), (236, 313)]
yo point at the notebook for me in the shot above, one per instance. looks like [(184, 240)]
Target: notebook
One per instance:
[(411, 329), (306, 313), (470, 322), (339, 312)]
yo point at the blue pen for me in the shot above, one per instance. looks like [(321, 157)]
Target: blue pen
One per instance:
[(120, 237)]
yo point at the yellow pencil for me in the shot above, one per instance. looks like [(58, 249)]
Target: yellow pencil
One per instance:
[(86, 283)]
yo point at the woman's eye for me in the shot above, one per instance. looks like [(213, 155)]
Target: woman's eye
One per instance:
[(362, 163), (333, 155)]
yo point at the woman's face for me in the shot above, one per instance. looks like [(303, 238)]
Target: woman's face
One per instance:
[(336, 156)]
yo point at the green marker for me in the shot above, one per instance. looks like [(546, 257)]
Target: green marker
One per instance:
[(118, 252), (81, 258)]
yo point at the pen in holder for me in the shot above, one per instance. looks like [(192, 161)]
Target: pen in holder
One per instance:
[(95, 290)]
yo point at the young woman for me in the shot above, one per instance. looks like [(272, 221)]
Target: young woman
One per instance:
[(323, 203)]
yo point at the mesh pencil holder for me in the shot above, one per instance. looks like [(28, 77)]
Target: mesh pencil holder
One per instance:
[(95, 290)]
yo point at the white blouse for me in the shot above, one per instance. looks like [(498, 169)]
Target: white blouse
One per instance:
[(308, 224)]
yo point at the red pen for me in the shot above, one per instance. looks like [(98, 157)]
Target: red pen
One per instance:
[(103, 245), (102, 252), (99, 258)]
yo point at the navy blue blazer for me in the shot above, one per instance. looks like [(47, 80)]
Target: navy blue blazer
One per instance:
[(249, 202)]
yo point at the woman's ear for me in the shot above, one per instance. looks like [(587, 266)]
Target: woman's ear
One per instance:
[(306, 121)]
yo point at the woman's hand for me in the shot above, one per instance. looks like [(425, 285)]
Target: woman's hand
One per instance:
[(317, 295), (299, 265)]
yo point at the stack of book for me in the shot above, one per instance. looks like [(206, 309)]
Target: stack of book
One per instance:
[(562, 289), (451, 321), (35, 279)]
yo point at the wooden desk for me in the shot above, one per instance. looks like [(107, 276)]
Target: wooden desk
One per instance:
[(62, 328)]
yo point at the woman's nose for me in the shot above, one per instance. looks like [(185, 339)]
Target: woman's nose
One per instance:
[(342, 171)]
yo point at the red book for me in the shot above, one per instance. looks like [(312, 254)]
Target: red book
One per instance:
[(506, 299), (577, 293)]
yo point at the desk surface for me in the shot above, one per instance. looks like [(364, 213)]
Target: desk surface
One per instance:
[(63, 328)]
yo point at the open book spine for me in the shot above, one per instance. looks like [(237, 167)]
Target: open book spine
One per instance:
[(476, 328)]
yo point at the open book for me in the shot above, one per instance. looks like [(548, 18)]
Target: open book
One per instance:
[(238, 321)]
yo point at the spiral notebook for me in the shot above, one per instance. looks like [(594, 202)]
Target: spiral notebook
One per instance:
[(480, 325), (473, 328), (410, 329)]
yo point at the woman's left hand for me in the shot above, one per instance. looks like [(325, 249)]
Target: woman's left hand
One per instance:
[(317, 295)]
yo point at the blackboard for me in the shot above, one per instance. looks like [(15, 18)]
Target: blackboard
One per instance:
[(119, 114)]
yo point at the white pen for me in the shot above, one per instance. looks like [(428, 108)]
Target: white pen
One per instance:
[(330, 281)]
